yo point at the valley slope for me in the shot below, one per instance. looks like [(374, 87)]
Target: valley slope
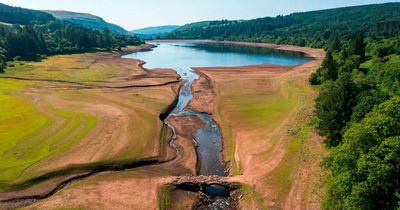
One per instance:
[(87, 20)]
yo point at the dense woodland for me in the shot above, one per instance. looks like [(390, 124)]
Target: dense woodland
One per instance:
[(31, 34), (358, 111), (312, 29), (358, 107)]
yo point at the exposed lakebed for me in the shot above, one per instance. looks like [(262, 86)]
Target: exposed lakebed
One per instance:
[(182, 57)]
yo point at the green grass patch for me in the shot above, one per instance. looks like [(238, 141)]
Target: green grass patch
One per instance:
[(164, 197), (229, 146), (28, 136), (165, 136), (284, 171), (282, 176), (39, 145), (256, 110), (74, 68), (265, 110), (251, 197), (18, 120)]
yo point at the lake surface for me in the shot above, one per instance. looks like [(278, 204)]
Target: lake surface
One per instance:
[(182, 56), (178, 55)]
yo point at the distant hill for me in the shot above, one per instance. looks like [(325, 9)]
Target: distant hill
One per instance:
[(22, 16), (156, 29), (87, 20), (153, 32), (306, 28)]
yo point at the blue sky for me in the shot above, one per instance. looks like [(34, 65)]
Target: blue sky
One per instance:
[(133, 14)]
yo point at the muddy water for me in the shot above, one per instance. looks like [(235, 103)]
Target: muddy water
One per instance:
[(181, 57)]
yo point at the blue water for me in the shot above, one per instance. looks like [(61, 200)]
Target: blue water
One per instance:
[(186, 55), (182, 56)]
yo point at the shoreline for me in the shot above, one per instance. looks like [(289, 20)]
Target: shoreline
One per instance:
[(311, 52)]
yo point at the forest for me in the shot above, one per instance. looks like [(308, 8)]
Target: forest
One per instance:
[(30, 35), (358, 111), (312, 29)]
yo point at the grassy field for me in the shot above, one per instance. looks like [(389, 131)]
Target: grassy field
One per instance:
[(19, 120), (28, 135), (262, 109), (87, 67), (44, 128)]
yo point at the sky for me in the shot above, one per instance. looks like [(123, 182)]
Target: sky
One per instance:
[(134, 14)]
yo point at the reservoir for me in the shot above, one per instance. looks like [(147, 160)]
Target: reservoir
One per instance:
[(183, 56)]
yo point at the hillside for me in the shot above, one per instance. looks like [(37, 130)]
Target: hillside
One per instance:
[(87, 20), (307, 28), (153, 32), (17, 15), (156, 29)]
